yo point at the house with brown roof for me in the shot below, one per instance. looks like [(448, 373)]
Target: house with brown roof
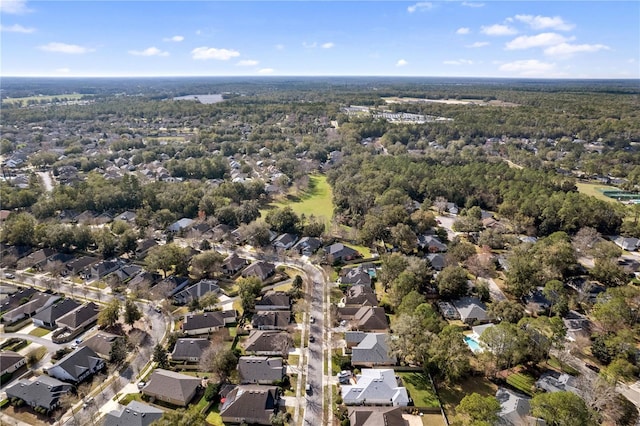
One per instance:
[(233, 264), (174, 388), (102, 343), (274, 301), (10, 361), (80, 318), (271, 320), (268, 342), (360, 295), (207, 322), (376, 416), (250, 404), (260, 269), (365, 318)]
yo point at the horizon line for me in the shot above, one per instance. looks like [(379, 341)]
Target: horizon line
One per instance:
[(323, 76)]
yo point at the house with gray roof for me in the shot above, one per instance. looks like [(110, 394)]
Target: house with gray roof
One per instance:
[(553, 381), (196, 291), (274, 301), (10, 361), (80, 318), (207, 322), (376, 416), (17, 298), (284, 241), (189, 350), (260, 269), (627, 243), (234, 264), (127, 272), (365, 318), (44, 392), (375, 387), (515, 409), (307, 246), (437, 261), (268, 342), (174, 388), (355, 276), (78, 265), (260, 369), (372, 351), (47, 317), (471, 310), (271, 320), (134, 414), (102, 343), (179, 225), (104, 268), (77, 366), (250, 404), (37, 303), (431, 244), (338, 252), (360, 295)]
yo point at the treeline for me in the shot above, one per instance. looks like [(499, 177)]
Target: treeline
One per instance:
[(372, 189)]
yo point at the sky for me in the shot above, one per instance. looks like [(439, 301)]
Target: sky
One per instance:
[(488, 38)]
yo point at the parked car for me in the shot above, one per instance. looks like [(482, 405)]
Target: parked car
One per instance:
[(312, 320), (9, 276), (312, 339), (308, 389)]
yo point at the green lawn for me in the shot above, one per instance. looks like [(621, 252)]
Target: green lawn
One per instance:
[(213, 418), (595, 190), (47, 98), (39, 332), (523, 382), (202, 403), (420, 389), (293, 359), (131, 397), (450, 397), (317, 200)]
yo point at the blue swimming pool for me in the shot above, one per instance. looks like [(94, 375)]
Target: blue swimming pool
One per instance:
[(473, 345)]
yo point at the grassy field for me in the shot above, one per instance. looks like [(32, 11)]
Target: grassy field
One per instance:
[(523, 382), (39, 332), (48, 98), (451, 396), (213, 418), (317, 200), (420, 389), (595, 190)]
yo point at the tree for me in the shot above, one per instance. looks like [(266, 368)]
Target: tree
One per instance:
[(167, 257), (506, 310), (477, 410), (410, 302), (131, 313), (281, 418), (452, 282), (107, 243), (249, 289), (181, 417), (555, 293), (206, 264), (449, 355), (522, 274), (506, 342), (218, 360), (160, 356), (403, 237), (561, 409), (19, 229), (118, 352), (411, 341), (128, 242), (283, 220), (109, 315), (208, 299), (392, 266)]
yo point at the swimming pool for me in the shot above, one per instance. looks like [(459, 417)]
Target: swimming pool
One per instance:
[(473, 345)]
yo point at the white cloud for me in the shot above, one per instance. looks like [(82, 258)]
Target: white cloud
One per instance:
[(279, 46), (539, 40), (150, 51), (498, 30), (309, 45), (214, 53), (420, 7), (247, 63), (16, 28), (472, 4), (328, 45), (463, 30), (478, 44), (14, 7), (402, 63), (528, 67), (545, 22), (176, 38), (566, 49), (63, 70), (72, 49), (266, 71), (459, 62)]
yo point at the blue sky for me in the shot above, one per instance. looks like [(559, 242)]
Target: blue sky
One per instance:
[(555, 39)]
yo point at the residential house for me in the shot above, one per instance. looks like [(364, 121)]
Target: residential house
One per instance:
[(515, 409), (127, 216), (174, 388), (220, 231), (268, 342), (189, 350), (77, 266), (365, 318), (134, 414), (271, 320), (102, 343), (360, 295), (171, 285), (260, 269), (260, 369), (577, 325), (47, 317), (180, 225), (376, 416), (127, 272), (274, 301), (553, 381), (535, 302), (143, 279), (431, 244), (207, 322), (34, 305), (77, 366), (372, 350), (17, 298), (104, 268), (355, 276), (86, 217), (250, 404), (144, 246), (307, 245), (338, 252), (375, 387), (44, 392), (233, 264), (80, 318), (627, 243), (196, 291), (471, 310), (437, 261), (10, 361), (38, 259), (284, 241)]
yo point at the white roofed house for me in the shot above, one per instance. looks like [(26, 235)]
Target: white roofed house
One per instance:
[(375, 387)]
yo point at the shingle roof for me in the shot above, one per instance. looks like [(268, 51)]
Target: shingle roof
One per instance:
[(44, 392), (171, 385), (204, 320), (371, 318), (376, 416), (374, 386), (278, 319), (186, 348), (9, 359), (78, 362), (134, 414), (50, 314), (79, 316), (274, 298), (254, 369), (361, 295), (264, 341), (101, 343), (254, 403), (16, 298), (471, 307), (372, 349)]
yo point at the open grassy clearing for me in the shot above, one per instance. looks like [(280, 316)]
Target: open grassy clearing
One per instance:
[(450, 397), (595, 190), (523, 382), (43, 98), (316, 200), (39, 332), (420, 389)]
